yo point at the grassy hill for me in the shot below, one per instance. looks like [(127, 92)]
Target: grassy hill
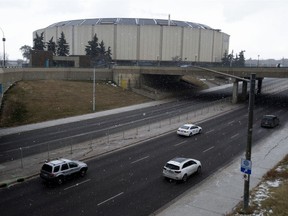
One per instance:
[(36, 101)]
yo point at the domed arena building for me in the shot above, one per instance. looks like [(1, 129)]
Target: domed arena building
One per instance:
[(143, 40)]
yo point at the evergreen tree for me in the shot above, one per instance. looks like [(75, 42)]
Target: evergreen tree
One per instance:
[(225, 59), (97, 52), (38, 42), (229, 60), (102, 48), (62, 46), (236, 61), (108, 54), (92, 49), (241, 59), (51, 46)]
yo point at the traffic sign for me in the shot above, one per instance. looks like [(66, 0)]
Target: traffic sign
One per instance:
[(246, 166)]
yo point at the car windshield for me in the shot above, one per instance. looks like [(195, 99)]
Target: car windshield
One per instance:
[(172, 166), (185, 127), (47, 168), (267, 119)]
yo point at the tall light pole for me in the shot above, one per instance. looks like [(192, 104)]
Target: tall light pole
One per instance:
[(249, 140), (258, 61), (3, 39), (94, 90)]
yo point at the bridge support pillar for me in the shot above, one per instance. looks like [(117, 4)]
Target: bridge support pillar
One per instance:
[(259, 85), (235, 92), (244, 90)]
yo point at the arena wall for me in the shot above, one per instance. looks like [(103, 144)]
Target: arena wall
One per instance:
[(145, 42)]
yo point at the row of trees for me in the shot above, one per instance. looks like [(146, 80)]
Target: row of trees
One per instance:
[(229, 60), (97, 51)]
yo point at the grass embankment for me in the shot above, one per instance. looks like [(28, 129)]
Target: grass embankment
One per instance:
[(270, 197), (29, 102)]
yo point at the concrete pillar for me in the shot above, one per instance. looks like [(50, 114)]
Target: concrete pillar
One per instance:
[(259, 85), (235, 92), (244, 90)]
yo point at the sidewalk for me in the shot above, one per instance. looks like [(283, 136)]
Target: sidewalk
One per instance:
[(221, 192)]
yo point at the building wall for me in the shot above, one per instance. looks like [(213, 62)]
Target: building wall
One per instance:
[(82, 34), (107, 34), (191, 44), (145, 42), (218, 46), (149, 44), (126, 42), (206, 45)]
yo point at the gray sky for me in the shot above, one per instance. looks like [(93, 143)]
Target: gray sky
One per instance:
[(257, 26)]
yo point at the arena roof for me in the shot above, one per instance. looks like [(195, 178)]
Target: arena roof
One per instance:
[(130, 21)]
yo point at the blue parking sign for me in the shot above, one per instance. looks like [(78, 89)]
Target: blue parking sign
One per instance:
[(246, 166)]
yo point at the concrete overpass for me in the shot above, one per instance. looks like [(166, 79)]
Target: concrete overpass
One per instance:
[(133, 76), (236, 74)]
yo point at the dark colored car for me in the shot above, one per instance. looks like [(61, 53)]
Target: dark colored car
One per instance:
[(270, 121), (58, 171)]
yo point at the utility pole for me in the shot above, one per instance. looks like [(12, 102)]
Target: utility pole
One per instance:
[(94, 90), (249, 140), (3, 39)]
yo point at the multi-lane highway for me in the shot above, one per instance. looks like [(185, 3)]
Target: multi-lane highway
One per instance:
[(129, 182), (73, 133)]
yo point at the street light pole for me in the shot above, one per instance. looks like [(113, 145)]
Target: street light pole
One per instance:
[(94, 90), (3, 39), (249, 139)]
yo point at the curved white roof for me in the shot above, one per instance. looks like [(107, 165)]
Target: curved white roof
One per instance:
[(130, 21)]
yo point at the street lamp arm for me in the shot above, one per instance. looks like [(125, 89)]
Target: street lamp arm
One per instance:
[(2, 32)]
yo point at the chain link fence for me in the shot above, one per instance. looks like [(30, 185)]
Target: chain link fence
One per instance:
[(111, 140)]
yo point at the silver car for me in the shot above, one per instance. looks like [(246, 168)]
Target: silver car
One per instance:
[(180, 168), (59, 170)]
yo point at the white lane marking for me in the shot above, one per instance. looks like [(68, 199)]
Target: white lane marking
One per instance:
[(107, 200), (231, 122), (232, 137), (177, 144), (208, 149), (210, 131), (77, 184), (140, 159)]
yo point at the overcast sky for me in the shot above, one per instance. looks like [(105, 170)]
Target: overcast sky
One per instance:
[(257, 26)]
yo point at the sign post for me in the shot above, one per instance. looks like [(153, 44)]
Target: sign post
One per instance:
[(247, 163), (246, 166)]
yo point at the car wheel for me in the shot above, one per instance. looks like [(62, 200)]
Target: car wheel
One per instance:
[(200, 131), (184, 179), (60, 180), (190, 134), (83, 172), (199, 170)]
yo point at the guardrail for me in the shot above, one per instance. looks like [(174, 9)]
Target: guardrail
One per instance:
[(19, 160)]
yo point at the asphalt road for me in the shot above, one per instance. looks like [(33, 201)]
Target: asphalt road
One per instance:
[(36, 141), (129, 182)]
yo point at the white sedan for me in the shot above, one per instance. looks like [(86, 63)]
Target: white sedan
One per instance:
[(189, 130)]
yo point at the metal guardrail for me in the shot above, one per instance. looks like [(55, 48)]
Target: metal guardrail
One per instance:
[(50, 150)]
